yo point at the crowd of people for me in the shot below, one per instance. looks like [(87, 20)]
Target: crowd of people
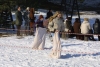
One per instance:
[(28, 16), (57, 26)]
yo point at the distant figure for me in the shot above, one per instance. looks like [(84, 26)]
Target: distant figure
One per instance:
[(26, 18), (49, 14), (32, 20), (76, 27), (19, 20), (85, 28), (39, 39), (96, 27), (91, 37), (68, 27)]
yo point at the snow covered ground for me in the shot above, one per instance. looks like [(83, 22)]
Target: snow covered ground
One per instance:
[(75, 53)]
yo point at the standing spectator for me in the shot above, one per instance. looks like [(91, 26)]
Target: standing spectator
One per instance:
[(96, 28), (68, 27), (91, 37), (49, 14), (85, 27), (39, 40), (26, 18), (76, 27), (18, 20), (58, 26), (32, 20)]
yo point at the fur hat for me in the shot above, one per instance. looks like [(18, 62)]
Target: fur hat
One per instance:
[(86, 19)]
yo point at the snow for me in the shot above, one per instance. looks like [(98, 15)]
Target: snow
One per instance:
[(75, 53)]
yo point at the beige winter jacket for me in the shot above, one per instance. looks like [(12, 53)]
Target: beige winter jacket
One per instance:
[(85, 27), (50, 26), (56, 24)]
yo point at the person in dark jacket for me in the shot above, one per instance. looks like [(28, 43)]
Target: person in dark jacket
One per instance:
[(69, 27), (39, 22), (96, 27), (76, 27), (18, 20), (49, 14), (91, 37), (39, 39), (26, 19)]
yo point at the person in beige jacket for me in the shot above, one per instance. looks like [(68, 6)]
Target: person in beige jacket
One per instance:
[(57, 26), (85, 27), (50, 26)]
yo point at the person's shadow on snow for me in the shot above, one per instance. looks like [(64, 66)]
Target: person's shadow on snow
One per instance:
[(78, 55), (71, 45)]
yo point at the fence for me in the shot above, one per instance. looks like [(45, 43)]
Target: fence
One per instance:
[(68, 51)]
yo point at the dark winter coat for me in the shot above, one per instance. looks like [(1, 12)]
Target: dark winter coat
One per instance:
[(31, 15), (76, 27), (96, 28), (39, 23), (49, 14), (68, 25), (18, 18), (26, 15)]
